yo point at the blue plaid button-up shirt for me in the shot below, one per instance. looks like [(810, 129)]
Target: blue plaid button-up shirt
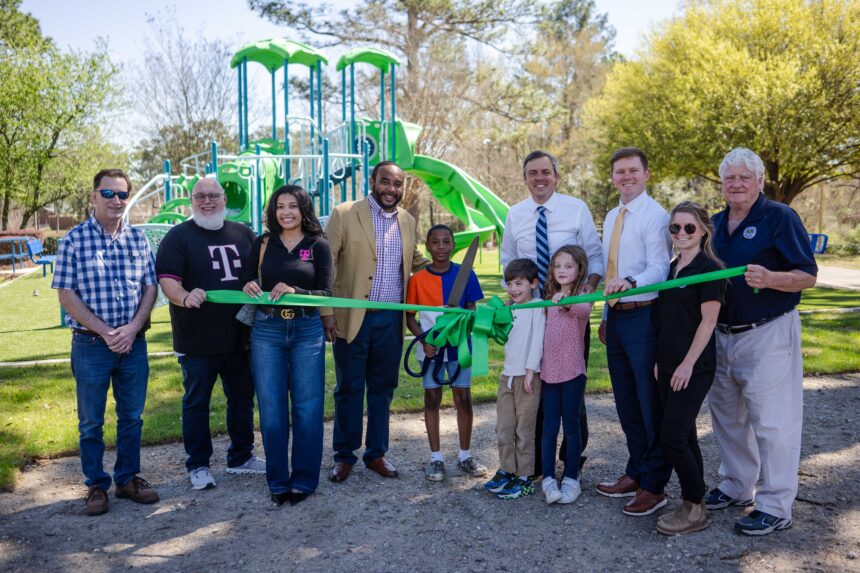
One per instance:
[(107, 273)]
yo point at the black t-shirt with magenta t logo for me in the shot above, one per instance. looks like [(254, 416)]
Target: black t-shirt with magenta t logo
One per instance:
[(211, 260)]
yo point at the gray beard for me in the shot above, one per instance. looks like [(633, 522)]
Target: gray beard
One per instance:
[(210, 222)]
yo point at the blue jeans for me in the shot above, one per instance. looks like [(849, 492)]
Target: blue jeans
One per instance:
[(631, 344), (562, 404), (371, 360), (198, 378), (288, 362), (95, 367)]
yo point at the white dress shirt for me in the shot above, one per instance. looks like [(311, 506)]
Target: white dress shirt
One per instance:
[(645, 248), (569, 222)]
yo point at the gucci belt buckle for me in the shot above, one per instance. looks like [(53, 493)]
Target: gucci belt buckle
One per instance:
[(288, 314)]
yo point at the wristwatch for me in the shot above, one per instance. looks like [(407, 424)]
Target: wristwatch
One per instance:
[(631, 280)]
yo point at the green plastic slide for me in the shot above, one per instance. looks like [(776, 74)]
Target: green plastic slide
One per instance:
[(481, 210)]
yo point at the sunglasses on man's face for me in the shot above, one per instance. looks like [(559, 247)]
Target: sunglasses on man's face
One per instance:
[(110, 194), (689, 228)]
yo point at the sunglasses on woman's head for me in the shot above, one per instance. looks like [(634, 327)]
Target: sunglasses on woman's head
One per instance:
[(689, 228), (110, 194)]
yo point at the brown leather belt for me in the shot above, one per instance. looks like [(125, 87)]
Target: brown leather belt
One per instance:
[(622, 306)]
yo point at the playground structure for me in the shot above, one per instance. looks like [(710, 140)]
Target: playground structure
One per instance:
[(332, 164)]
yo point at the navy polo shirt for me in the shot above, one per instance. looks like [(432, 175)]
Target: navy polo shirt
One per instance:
[(772, 236)]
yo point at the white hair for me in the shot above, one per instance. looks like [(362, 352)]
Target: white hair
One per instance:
[(745, 157), (208, 182)]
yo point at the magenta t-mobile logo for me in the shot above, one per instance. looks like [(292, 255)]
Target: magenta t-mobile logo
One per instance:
[(222, 260)]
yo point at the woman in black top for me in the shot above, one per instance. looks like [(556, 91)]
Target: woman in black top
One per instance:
[(287, 342), (686, 360)]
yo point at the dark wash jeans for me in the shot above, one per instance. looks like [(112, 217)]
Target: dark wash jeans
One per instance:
[(678, 431), (95, 368), (372, 362), (562, 404), (288, 360), (199, 374), (631, 344)]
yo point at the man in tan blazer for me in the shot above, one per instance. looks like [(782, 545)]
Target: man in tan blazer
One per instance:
[(374, 252)]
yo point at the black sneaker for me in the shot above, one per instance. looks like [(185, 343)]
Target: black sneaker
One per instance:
[(716, 499), (761, 523)]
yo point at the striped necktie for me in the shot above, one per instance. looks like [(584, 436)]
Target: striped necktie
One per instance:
[(542, 247)]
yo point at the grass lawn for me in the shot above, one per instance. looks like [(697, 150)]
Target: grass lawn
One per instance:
[(37, 403)]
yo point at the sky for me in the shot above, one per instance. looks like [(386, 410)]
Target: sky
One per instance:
[(123, 23), (125, 26)]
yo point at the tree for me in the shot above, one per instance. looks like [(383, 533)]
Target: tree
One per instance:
[(431, 35), (778, 76), (18, 29), (185, 93), (50, 105)]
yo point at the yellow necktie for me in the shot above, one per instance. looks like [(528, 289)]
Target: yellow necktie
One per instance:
[(614, 244)]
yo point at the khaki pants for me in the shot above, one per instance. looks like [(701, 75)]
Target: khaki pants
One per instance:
[(756, 405), (516, 411)]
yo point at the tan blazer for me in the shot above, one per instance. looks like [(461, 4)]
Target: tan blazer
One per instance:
[(353, 249)]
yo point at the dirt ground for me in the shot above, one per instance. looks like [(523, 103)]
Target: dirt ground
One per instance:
[(409, 524)]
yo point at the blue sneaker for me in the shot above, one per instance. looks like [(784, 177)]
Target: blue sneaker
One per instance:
[(498, 482), (716, 499), (761, 523), (517, 488)]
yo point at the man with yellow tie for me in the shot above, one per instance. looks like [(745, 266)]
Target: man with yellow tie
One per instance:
[(636, 253)]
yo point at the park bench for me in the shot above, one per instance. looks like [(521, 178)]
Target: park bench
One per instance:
[(12, 249), (34, 250)]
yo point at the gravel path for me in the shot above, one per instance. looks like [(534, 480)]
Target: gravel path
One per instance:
[(409, 524)]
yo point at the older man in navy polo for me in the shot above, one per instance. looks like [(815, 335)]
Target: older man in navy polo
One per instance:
[(756, 400), (106, 281)]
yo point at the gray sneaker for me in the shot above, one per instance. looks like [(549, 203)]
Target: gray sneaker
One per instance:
[(435, 471), (471, 468), (201, 478), (253, 466)]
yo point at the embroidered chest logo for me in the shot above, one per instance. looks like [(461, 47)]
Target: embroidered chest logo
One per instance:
[(225, 258), (749, 232), (305, 254)]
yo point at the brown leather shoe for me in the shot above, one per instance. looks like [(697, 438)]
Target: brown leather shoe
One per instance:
[(383, 467), (96, 501), (138, 490), (339, 472), (624, 486), (644, 503)]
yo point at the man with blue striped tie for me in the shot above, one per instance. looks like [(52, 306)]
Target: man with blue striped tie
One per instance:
[(536, 227)]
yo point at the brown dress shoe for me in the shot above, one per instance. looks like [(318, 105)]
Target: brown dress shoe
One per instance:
[(96, 501), (383, 467), (622, 487), (138, 490), (644, 503), (340, 472)]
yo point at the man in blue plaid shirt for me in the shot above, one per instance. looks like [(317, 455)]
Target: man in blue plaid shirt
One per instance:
[(105, 276)]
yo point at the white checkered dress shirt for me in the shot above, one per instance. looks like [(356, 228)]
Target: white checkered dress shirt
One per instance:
[(106, 273), (387, 285)]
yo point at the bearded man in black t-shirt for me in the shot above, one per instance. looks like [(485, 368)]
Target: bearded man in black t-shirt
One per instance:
[(209, 253)]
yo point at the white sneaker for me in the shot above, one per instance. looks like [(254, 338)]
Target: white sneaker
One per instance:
[(201, 478), (550, 490), (570, 490), (253, 466)]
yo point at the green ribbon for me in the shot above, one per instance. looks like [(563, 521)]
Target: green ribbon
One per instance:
[(491, 320)]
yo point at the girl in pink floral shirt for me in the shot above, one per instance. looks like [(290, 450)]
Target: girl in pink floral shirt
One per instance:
[(563, 371)]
